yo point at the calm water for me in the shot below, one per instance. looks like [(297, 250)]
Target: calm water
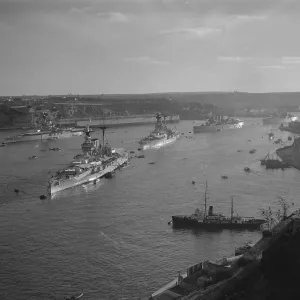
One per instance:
[(112, 240)]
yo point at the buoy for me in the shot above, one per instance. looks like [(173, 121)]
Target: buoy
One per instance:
[(193, 182)]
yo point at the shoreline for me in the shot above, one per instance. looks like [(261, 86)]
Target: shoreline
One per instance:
[(286, 154)]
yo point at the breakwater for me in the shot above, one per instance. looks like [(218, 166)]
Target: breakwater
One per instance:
[(116, 121)]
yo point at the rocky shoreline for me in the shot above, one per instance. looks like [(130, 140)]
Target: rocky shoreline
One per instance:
[(287, 155)]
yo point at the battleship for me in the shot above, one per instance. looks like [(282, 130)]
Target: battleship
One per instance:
[(45, 130), (293, 127), (161, 135), (275, 119), (218, 124), (95, 161), (203, 220)]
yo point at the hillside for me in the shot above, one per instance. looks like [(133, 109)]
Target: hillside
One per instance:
[(225, 100)]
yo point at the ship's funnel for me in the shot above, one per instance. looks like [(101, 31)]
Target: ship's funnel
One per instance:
[(210, 210)]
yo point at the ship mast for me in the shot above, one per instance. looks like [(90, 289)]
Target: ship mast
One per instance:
[(165, 119), (231, 215), (103, 128), (205, 200)]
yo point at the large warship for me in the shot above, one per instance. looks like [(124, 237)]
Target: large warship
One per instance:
[(210, 220), (161, 135), (45, 129), (95, 162), (277, 118), (293, 127), (218, 123)]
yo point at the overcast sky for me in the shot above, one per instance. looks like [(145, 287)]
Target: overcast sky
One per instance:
[(137, 46)]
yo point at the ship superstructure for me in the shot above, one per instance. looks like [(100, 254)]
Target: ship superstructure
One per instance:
[(44, 129), (293, 126), (217, 123), (277, 118), (211, 220), (95, 161), (160, 136)]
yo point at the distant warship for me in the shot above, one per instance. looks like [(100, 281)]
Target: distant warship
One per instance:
[(218, 124), (161, 135), (96, 161), (45, 130), (275, 119)]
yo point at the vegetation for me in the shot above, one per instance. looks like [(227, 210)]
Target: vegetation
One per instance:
[(272, 216)]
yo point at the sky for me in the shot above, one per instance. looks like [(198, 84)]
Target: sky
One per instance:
[(147, 46)]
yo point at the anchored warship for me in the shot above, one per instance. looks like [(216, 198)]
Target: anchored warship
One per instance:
[(44, 129), (161, 135), (276, 118), (210, 220), (96, 161), (218, 123)]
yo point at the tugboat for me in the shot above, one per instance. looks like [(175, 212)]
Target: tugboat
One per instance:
[(95, 162), (203, 220), (161, 135)]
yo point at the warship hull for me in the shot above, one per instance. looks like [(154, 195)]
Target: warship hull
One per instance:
[(88, 176), (41, 136), (215, 128), (156, 144), (188, 222), (276, 121)]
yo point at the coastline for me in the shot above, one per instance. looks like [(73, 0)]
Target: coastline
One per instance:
[(287, 156)]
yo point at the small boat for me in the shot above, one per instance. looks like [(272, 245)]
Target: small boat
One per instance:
[(252, 151), (246, 169), (74, 297), (32, 157), (54, 149), (2, 145), (224, 177)]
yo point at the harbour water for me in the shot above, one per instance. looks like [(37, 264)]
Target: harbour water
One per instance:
[(113, 239)]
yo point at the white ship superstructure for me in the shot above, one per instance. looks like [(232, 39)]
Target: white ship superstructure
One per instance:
[(95, 162)]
